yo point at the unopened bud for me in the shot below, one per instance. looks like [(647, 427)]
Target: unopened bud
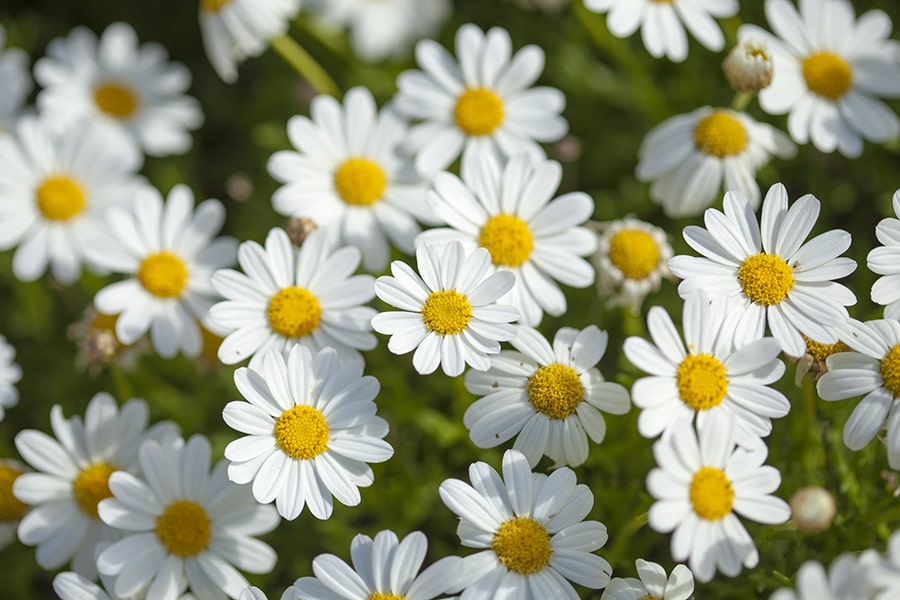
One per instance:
[(298, 228), (748, 66), (813, 509)]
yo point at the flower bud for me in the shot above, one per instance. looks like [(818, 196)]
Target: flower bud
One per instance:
[(813, 509), (748, 66), (298, 228)]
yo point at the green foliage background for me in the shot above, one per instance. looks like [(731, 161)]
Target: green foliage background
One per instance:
[(616, 92)]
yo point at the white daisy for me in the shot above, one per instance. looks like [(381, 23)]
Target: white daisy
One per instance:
[(11, 508), (846, 579), (311, 429), (287, 297), (381, 29), (691, 158), (348, 178), (234, 30), (449, 314), (872, 369), (652, 584), (169, 251), (482, 103), (383, 569), (56, 189), (881, 572), (10, 374), (631, 260), (15, 80), (187, 527), (699, 486), (132, 87), (707, 377), (829, 70), (885, 261), (72, 476), (532, 530), (254, 593), (550, 397), (768, 270), (662, 22), (508, 210)]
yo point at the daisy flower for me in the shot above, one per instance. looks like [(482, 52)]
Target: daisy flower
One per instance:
[(234, 30), (508, 211), (187, 527), (631, 261), (10, 374), (311, 428), (56, 188), (169, 252), (847, 579), (132, 87), (706, 377), (11, 508), (381, 29), (662, 23), (530, 530), (254, 593), (15, 80), (690, 158), (872, 369), (348, 178), (550, 397), (652, 584), (882, 572), (72, 475), (771, 275), (484, 102), (828, 78), (885, 260), (383, 569), (700, 486), (748, 67), (449, 314)]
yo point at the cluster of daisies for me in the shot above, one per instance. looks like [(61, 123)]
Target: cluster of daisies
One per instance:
[(138, 511)]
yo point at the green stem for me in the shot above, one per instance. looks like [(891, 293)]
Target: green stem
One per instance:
[(741, 101), (628, 531), (302, 62)]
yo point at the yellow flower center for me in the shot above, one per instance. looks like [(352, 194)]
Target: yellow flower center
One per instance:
[(11, 508), (60, 198), (183, 528), (294, 312), (634, 252), (555, 390), (648, 596), (720, 134), (360, 182), (508, 239), (890, 370), (822, 351), (711, 493), (116, 99), (479, 111), (447, 312), (302, 432), (380, 596), (91, 486), (522, 545), (766, 278), (827, 74), (701, 381), (163, 274), (213, 6)]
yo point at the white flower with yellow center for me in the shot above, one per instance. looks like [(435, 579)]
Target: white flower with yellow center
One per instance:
[(169, 250), (652, 584), (132, 87), (549, 397), (348, 178), (72, 476), (848, 578), (383, 569), (829, 70), (448, 311), (311, 428), (885, 261), (700, 488), (530, 530), (691, 158), (707, 377), (483, 103), (287, 297), (662, 22), (56, 188), (881, 572), (768, 270), (234, 30), (11, 508), (631, 260), (187, 528), (872, 369), (510, 211), (10, 373), (15, 80)]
